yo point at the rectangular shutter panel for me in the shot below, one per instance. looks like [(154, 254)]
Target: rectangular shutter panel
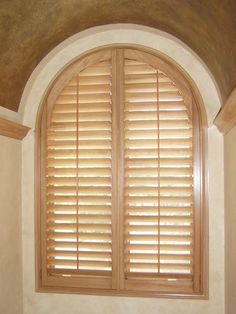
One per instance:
[(79, 183), (158, 183)]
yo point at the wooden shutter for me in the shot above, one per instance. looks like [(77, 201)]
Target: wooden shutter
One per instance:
[(78, 179), (158, 180), (121, 170)]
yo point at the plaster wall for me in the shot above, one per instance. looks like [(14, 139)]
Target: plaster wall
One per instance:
[(10, 227), (45, 73), (230, 219), (29, 29)]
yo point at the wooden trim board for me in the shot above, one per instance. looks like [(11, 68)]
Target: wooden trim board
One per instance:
[(226, 118), (12, 129)]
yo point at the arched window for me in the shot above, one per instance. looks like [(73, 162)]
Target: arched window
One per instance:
[(121, 187)]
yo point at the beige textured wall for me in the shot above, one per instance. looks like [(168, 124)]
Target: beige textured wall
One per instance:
[(10, 227), (43, 303), (230, 220)]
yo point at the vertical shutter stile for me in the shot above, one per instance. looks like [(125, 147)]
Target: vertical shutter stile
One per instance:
[(158, 166), (77, 169), (118, 171)]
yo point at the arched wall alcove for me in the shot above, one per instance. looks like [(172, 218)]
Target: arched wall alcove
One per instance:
[(207, 94), (164, 44)]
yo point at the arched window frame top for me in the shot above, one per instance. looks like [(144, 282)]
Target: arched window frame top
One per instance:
[(164, 63)]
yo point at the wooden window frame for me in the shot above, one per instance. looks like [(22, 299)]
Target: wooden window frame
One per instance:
[(168, 289)]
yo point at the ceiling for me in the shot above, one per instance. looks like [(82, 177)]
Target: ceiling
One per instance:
[(29, 29)]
